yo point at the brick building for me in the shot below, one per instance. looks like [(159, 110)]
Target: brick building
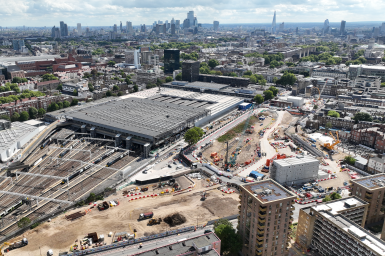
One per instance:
[(47, 85)]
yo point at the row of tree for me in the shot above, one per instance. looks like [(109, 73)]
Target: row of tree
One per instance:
[(26, 94), (267, 95)]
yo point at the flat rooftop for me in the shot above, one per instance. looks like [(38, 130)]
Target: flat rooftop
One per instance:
[(372, 182), (295, 161), (190, 245), (364, 236), (268, 190), (17, 131), (335, 207), (139, 116)]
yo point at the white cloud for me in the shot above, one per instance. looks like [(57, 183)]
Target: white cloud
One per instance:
[(109, 12)]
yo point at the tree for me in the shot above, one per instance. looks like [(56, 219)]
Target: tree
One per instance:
[(328, 126), (23, 222), (24, 116), (115, 88), (248, 73), (49, 77), (275, 79), (333, 113), (91, 87), (41, 112), (259, 98), (349, 160), (59, 87), (193, 135), (178, 77), (15, 117), (274, 90), (74, 102), (362, 116), (168, 79), (5, 117), (326, 199), (111, 63), (231, 242), (60, 104), (253, 80), (315, 107), (66, 104), (75, 92), (19, 80), (33, 112), (108, 93), (213, 63), (136, 88), (120, 94), (287, 79), (94, 72), (268, 95), (335, 196)]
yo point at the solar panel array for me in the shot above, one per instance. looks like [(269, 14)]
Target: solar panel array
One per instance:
[(371, 182)]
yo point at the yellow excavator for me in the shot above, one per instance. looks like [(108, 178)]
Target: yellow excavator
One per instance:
[(336, 141), (2, 246)]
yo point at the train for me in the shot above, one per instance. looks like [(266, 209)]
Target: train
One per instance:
[(11, 208), (104, 156), (68, 140), (65, 152), (117, 159), (39, 160), (76, 174), (46, 143)]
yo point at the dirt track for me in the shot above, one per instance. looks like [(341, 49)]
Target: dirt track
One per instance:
[(60, 234)]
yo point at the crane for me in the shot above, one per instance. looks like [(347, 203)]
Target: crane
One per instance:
[(336, 141)]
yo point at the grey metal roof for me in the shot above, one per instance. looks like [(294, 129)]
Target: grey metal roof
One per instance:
[(268, 190), (141, 116), (372, 181)]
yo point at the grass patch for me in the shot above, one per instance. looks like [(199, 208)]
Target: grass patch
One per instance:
[(237, 130)]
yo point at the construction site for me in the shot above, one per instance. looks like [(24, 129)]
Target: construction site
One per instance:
[(127, 218), (65, 168)]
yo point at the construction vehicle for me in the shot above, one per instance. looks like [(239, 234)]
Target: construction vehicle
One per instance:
[(204, 196), (144, 189), (146, 215), (15, 245), (103, 206), (154, 221), (329, 146), (2, 246)]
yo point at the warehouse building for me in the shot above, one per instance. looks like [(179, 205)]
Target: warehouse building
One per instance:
[(148, 119), (295, 170)]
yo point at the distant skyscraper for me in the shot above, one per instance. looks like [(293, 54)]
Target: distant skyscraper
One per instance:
[(195, 24), (17, 44), (216, 25), (79, 28), (177, 24), (172, 21), (53, 32), (383, 27), (63, 29), (143, 28), (274, 24), (342, 28), (129, 28), (115, 28), (172, 28), (186, 23), (171, 60), (296, 30), (281, 26), (190, 17), (121, 27), (326, 26)]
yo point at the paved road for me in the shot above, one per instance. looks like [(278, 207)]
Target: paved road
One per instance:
[(130, 250)]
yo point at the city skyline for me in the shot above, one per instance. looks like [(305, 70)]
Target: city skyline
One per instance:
[(102, 13)]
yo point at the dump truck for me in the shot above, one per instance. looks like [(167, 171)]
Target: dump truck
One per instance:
[(103, 206), (154, 221), (146, 215), (18, 244)]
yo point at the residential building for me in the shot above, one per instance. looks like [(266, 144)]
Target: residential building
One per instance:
[(190, 71), (342, 27), (336, 228), (171, 60), (129, 28), (376, 165), (265, 216), (18, 44), (371, 189), (295, 170), (133, 58), (206, 244)]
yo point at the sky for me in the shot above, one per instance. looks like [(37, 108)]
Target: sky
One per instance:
[(33, 13)]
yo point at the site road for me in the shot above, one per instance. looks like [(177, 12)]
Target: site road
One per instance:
[(221, 131)]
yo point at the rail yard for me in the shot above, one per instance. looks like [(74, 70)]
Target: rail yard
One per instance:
[(63, 169)]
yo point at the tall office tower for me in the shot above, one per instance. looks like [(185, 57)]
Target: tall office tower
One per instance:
[(171, 60), (190, 17), (216, 25), (376, 32), (281, 27), (177, 24), (168, 25), (121, 27), (65, 29), (186, 23), (143, 28), (190, 70), (326, 26), (172, 29), (164, 29), (296, 30), (53, 32), (61, 27), (129, 28), (383, 28), (274, 24), (133, 57), (160, 22), (18, 44), (342, 28), (158, 29), (172, 21), (79, 29), (115, 28), (265, 217), (195, 22)]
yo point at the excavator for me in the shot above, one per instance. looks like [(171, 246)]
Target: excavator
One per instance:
[(329, 146), (2, 246), (154, 221)]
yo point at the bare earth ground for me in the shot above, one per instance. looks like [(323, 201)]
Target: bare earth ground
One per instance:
[(60, 234)]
